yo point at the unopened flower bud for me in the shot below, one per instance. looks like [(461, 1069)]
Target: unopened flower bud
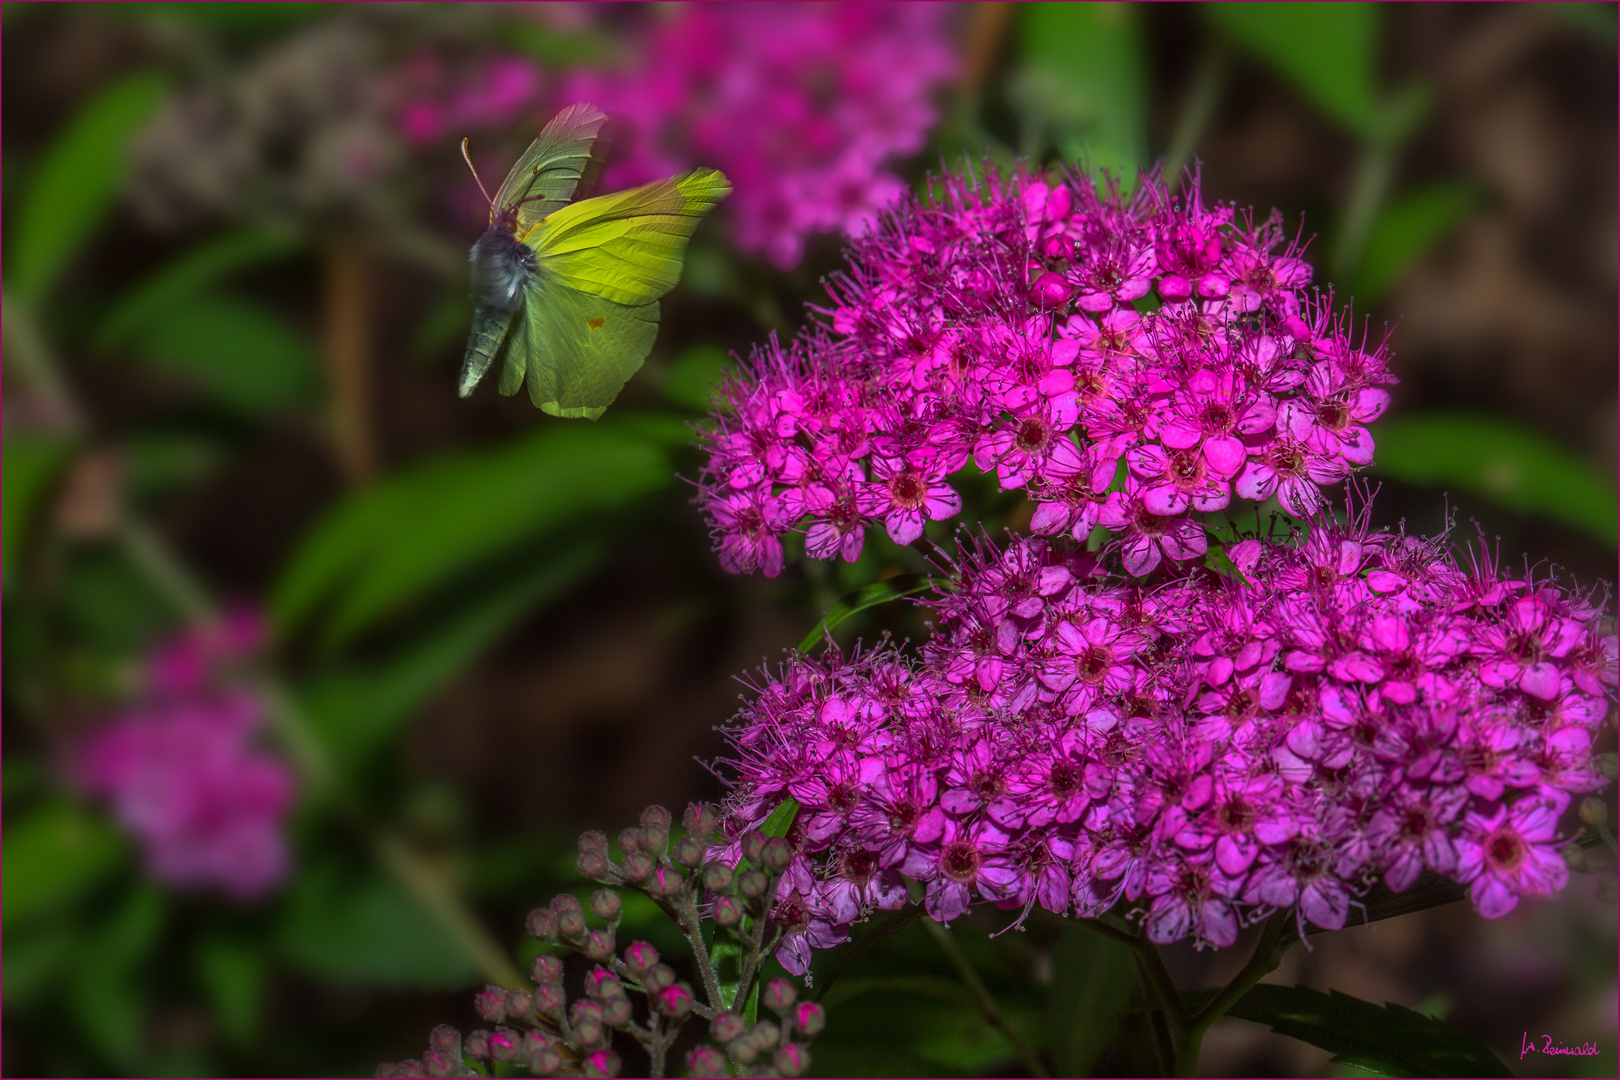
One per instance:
[(753, 883), (593, 865), (518, 1004), (1050, 290), (503, 1044), (727, 1027), (1057, 248), (654, 837), (547, 970), (701, 820), (412, 1068), (563, 903), (752, 845), (586, 1019), (602, 1062), (777, 854), (809, 1019), (674, 1000), (618, 1012), (689, 852), (630, 839), (638, 866), (728, 911), (476, 1045), (659, 976), (640, 957), (542, 923), (779, 996), (791, 1060), (1594, 811), (571, 925), (541, 1054), (1609, 764), (764, 1035), (594, 840), (436, 1064), (599, 945), (549, 1000), (602, 984), (657, 815), (665, 881), (718, 877), (606, 904), (706, 1061), (742, 1051), (491, 1003), (445, 1039)]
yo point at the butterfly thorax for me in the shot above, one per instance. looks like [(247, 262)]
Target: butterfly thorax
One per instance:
[(501, 268)]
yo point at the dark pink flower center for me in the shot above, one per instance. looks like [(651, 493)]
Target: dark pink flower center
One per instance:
[(960, 861), (908, 490), (1505, 849)]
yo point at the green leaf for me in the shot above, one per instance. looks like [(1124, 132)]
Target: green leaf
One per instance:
[(948, 1030), (1407, 229), (781, 819), (1509, 464), (358, 710), (1094, 985), (1329, 52), (108, 996), (1082, 82), (52, 857), (30, 464), (694, 376), (420, 528), (233, 975), (36, 961), (71, 190), (873, 595), (158, 462), (238, 351), (1390, 1040), (845, 955), (367, 931), (165, 293)]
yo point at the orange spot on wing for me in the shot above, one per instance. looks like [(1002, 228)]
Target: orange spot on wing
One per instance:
[(596, 323)]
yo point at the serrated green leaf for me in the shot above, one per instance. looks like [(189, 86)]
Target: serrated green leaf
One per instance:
[(1081, 80), (424, 526), (238, 351), (694, 375), (358, 710), (873, 595), (30, 464), (73, 186), (1505, 462), (365, 930), (169, 290), (1329, 52), (1390, 1040), (1094, 984), (53, 856), (1407, 229)]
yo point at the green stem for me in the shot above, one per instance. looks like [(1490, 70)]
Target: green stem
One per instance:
[(1268, 953), (1164, 1047), (987, 1003), (1202, 97), (1155, 976)]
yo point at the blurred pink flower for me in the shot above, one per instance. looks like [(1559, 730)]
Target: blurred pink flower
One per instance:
[(182, 774)]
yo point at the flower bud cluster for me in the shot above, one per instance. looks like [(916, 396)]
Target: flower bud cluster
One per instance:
[(1344, 708), (543, 1031), (1055, 338)]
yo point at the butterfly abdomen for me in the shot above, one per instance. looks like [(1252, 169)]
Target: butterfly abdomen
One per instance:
[(501, 268)]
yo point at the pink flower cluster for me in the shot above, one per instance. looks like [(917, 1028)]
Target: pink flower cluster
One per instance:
[(1343, 708), (802, 106), (182, 773), (1048, 335), (439, 104)]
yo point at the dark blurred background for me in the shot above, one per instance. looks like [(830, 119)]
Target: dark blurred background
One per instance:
[(234, 314)]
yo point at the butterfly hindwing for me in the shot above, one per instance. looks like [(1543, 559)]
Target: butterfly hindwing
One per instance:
[(628, 246), (544, 178), (582, 348)]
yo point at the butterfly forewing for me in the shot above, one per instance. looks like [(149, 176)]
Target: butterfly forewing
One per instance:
[(544, 178), (628, 246), (582, 348)]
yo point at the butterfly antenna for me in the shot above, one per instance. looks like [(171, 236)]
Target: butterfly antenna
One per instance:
[(465, 157)]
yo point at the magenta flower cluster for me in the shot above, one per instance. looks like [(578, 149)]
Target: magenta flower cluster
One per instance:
[(438, 103), (183, 775), (1345, 708), (802, 106), (1050, 336)]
